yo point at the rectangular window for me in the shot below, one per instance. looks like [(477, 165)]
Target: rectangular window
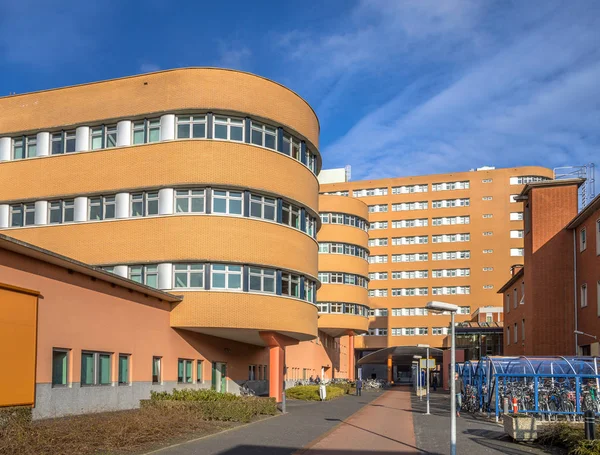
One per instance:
[(16, 215), (516, 234), (516, 216), (582, 240), (523, 330), (290, 285), (508, 336), (138, 132), (263, 135), (184, 371), (156, 370), (262, 280), (190, 276), (190, 201), (291, 146), (144, 274), (199, 375), (96, 138), (583, 298), (191, 127), (60, 367), (31, 146), (515, 334), (124, 369), (516, 251), (153, 130), (228, 128), (226, 277), (57, 145), (227, 202), (263, 207), (110, 136), (18, 150), (95, 368), (291, 215)]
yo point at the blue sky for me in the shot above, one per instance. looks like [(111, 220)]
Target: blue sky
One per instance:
[(401, 87)]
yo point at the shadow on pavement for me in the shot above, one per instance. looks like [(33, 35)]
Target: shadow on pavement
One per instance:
[(262, 450)]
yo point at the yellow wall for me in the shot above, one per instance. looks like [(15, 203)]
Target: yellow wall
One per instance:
[(18, 332)]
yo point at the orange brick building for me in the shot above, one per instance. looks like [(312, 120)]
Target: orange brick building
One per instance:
[(557, 292), (200, 184)]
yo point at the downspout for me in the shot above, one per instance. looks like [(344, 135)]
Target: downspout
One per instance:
[(575, 288)]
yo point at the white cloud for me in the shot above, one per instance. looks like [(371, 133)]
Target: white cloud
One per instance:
[(149, 67), (234, 56)]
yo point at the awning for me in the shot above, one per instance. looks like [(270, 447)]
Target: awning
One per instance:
[(400, 355)]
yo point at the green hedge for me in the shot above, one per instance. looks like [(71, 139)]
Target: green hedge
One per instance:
[(311, 392), (211, 405), (345, 386)]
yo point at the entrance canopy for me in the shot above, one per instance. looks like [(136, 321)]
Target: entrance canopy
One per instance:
[(401, 355)]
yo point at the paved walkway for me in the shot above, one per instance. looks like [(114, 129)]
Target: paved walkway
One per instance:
[(283, 435), (473, 435), (385, 426)]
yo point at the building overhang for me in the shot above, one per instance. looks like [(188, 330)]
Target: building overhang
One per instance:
[(400, 355)]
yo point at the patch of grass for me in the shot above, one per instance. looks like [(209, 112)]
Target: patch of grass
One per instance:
[(311, 393), (105, 433)]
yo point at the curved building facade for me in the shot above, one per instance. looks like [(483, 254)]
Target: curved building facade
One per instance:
[(199, 182)]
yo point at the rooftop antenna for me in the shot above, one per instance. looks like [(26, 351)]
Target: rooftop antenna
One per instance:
[(348, 170), (587, 191)]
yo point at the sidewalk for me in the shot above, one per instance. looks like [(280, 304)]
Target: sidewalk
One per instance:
[(283, 435), (385, 426)]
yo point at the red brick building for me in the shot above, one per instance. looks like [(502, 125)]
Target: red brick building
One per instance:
[(557, 292)]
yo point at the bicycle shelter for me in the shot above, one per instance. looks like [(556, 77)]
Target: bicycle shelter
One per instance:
[(543, 386)]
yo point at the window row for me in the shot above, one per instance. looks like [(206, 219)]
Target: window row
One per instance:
[(167, 127), (205, 276), (378, 332), (410, 331), (410, 311), (409, 292), (257, 373), (419, 274), (450, 220), (446, 186), (411, 240), (451, 238), (524, 179), (370, 192), (450, 255), (515, 339), (98, 368), (343, 278), (417, 222), (422, 205), (343, 308), (447, 203), (378, 242), (342, 218), (451, 290), (378, 208), (410, 257), (164, 202), (343, 248), (407, 189)]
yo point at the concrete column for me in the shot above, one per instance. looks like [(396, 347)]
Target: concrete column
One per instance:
[(165, 201), (5, 143), (43, 144), (351, 366), (165, 276), (124, 133), (4, 214), (121, 270), (389, 369), (41, 212), (122, 203), (82, 139), (167, 127), (276, 343), (81, 208)]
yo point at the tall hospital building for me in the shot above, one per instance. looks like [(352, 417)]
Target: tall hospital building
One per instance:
[(169, 230)]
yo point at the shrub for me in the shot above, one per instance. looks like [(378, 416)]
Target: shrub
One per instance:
[(345, 386), (311, 392), (587, 448), (571, 437), (211, 405)]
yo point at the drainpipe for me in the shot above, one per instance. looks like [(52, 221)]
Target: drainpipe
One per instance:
[(575, 287)]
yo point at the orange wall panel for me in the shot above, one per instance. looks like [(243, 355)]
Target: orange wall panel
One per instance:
[(18, 339)]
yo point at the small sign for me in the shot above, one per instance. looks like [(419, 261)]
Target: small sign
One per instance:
[(431, 364)]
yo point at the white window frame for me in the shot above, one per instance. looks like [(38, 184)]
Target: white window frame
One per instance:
[(230, 195), (229, 123), (228, 271), (263, 202), (190, 121), (264, 131), (189, 195), (263, 275), (188, 270)]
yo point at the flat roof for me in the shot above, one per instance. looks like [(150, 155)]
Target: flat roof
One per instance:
[(35, 252)]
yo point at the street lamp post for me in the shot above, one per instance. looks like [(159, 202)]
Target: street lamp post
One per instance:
[(443, 306), (427, 373), (419, 384)]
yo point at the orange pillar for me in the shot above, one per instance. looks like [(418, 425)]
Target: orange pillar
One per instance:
[(351, 366), (276, 344), (389, 368)]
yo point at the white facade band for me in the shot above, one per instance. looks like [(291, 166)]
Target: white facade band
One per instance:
[(43, 144), (165, 276), (82, 139), (81, 206), (121, 270), (41, 212), (5, 143), (122, 202), (4, 213), (124, 133), (165, 202), (167, 127)]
